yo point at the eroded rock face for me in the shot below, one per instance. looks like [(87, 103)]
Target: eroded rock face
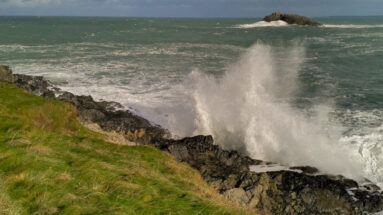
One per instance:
[(34, 84), (290, 19), (298, 190), (279, 192), (133, 127)]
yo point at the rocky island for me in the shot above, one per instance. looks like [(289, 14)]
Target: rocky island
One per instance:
[(290, 19), (293, 190)]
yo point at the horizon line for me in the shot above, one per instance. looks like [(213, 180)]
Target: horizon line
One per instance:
[(180, 17)]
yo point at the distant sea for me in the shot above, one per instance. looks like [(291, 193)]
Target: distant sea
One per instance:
[(289, 94)]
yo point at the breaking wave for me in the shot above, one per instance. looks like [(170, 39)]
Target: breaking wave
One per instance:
[(278, 23), (248, 110)]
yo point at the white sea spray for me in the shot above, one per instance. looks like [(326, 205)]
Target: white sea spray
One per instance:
[(259, 24), (245, 110)]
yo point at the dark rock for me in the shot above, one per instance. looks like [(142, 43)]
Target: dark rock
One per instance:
[(134, 128), (371, 187), (91, 115), (290, 19), (280, 192), (179, 152), (34, 84), (305, 169), (6, 74), (349, 183)]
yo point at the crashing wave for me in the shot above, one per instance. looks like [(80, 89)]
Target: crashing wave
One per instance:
[(244, 110), (278, 23)]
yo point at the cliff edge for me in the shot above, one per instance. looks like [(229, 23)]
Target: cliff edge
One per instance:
[(292, 190)]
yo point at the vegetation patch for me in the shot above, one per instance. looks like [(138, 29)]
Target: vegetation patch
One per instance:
[(51, 164)]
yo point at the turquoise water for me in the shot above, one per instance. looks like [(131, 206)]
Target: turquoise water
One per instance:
[(291, 94)]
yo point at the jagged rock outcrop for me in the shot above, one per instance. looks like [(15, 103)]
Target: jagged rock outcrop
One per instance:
[(133, 127), (295, 190), (291, 19)]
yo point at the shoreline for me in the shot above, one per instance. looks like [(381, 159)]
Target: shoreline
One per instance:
[(278, 192)]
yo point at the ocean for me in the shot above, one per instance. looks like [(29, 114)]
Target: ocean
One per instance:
[(288, 94)]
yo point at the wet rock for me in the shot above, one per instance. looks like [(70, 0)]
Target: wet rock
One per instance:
[(290, 19), (279, 192), (306, 169), (349, 183), (135, 128), (6, 74), (371, 187), (34, 84)]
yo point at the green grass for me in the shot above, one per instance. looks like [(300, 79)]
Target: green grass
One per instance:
[(51, 164)]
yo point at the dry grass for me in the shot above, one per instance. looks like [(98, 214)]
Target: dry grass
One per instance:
[(111, 136), (51, 164)]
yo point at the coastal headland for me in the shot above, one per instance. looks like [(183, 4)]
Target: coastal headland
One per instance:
[(239, 178)]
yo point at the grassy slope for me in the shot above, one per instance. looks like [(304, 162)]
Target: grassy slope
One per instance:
[(51, 164)]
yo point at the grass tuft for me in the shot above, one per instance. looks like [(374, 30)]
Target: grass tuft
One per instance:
[(51, 164)]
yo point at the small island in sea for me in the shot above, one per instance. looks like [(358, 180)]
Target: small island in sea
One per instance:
[(293, 19), (189, 115)]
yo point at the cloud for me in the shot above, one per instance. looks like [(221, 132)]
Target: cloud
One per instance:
[(29, 3)]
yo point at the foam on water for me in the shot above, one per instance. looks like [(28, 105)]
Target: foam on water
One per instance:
[(245, 110), (246, 106), (351, 26), (369, 148), (278, 23), (281, 23), (130, 75), (366, 140)]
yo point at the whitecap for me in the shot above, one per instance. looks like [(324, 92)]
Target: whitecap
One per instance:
[(245, 110), (278, 23), (351, 26)]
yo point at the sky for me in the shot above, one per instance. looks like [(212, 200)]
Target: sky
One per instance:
[(190, 8)]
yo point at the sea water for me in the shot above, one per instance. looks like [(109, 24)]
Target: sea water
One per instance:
[(284, 93)]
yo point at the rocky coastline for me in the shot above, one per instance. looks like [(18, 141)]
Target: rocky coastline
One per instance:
[(292, 19), (295, 190)]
